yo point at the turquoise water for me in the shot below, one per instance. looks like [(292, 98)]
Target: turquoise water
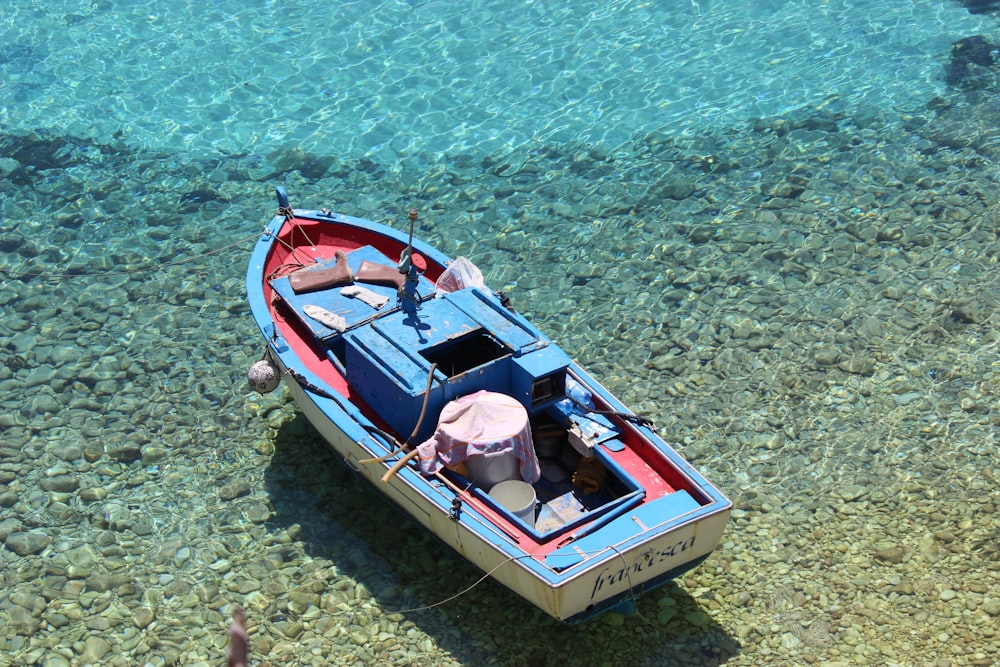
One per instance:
[(771, 226), (396, 79)]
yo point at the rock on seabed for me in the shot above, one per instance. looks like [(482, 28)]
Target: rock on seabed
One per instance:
[(28, 542)]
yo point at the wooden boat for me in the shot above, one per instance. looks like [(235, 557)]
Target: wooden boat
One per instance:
[(470, 419)]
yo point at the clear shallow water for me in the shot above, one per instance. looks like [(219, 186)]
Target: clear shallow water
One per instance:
[(806, 303), (391, 79)]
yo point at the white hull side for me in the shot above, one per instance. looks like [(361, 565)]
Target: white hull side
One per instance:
[(611, 574)]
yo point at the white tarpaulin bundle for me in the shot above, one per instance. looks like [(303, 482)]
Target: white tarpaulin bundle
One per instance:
[(485, 423)]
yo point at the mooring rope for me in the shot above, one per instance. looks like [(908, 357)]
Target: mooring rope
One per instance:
[(306, 384), (633, 598), (510, 559), (464, 591), (127, 272), (628, 416), (289, 214)]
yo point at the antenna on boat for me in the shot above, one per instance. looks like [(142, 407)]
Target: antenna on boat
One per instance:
[(411, 266), (406, 257)]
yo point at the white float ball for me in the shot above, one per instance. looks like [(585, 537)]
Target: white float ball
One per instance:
[(264, 376)]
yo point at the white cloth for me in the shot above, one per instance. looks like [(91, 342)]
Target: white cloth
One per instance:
[(481, 423), (364, 294), (325, 317)]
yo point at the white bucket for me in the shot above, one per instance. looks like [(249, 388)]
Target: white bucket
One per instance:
[(486, 470), (518, 497)]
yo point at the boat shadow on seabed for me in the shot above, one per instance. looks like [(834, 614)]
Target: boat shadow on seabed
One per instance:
[(332, 515)]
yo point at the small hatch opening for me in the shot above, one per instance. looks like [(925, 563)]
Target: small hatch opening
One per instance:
[(456, 356)]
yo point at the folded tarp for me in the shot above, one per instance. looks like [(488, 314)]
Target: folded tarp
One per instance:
[(483, 423)]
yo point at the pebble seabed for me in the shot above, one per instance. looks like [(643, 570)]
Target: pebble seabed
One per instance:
[(806, 304)]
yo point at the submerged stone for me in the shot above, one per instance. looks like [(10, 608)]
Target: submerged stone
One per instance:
[(125, 453), (94, 650), (27, 543), (60, 483), (234, 490)]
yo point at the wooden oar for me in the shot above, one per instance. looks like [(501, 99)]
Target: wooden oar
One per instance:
[(399, 465)]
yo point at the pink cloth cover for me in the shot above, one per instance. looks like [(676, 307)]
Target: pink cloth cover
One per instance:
[(481, 423)]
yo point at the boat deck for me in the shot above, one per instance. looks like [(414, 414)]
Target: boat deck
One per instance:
[(355, 312), (384, 357)]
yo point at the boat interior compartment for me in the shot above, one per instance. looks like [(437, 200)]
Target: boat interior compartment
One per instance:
[(621, 526), (562, 502), (483, 307)]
